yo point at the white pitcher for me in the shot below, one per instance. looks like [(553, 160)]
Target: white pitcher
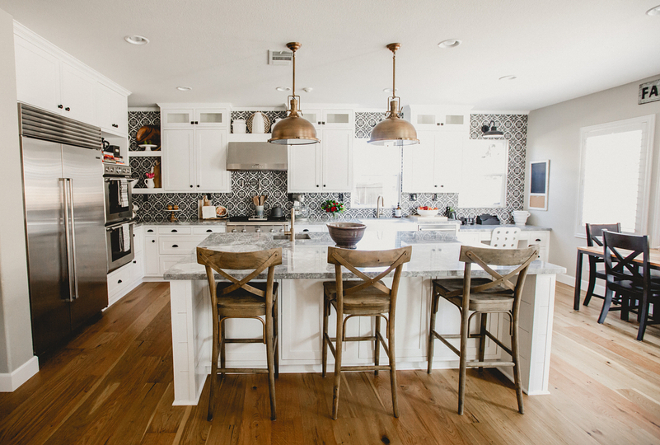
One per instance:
[(149, 182)]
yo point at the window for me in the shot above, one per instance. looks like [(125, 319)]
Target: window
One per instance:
[(483, 183), (376, 171), (615, 173)]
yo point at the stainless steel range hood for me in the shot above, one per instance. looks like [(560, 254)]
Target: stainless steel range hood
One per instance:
[(243, 156)]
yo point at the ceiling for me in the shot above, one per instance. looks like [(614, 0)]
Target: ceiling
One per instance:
[(559, 49)]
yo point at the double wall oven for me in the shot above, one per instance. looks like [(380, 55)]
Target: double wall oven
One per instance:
[(118, 215)]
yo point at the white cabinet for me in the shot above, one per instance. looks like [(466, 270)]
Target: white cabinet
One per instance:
[(435, 118), (151, 256), (48, 78), (184, 117), (111, 109), (330, 118), (324, 167), (196, 159), (434, 165)]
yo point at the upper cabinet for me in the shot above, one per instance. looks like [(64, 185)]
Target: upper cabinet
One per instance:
[(329, 118), (181, 116), (438, 118), (49, 78)]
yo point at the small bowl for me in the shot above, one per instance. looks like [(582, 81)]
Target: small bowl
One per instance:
[(421, 212), (346, 234)]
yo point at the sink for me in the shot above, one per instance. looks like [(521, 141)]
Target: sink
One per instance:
[(298, 236)]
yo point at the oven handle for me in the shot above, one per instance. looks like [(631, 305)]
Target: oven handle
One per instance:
[(119, 224)]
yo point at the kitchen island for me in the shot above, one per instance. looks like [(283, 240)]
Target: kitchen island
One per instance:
[(303, 270)]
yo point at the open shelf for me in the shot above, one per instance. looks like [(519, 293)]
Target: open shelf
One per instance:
[(145, 191), (145, 154)]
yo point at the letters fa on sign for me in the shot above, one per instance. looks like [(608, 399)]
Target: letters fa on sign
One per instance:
[(649, 92)]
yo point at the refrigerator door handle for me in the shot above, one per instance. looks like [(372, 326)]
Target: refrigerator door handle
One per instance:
[(73, 241), (67, 236)]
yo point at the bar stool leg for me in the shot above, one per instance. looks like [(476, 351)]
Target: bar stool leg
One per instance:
[(463, 360), (270, 354), (223, 363), (276, 339), (516, 361), (392, 356), (482, 339), (434, 311), (324, 356), (377, 345), (214, 375), (337, 376)]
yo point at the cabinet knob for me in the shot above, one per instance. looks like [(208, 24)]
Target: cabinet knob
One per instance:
[(197, 185), (134, 262), (119, 281), (67, 109), (60, 106), (435, 186), (318, 123), (324, 185), (190, 185), (317, 185), (196, 122), (192, 122), (153, 240)]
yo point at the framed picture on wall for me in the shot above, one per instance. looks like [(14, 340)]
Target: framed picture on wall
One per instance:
[(538, 190)]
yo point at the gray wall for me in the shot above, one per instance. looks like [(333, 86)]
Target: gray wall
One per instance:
[(15, 332), (554, 133)]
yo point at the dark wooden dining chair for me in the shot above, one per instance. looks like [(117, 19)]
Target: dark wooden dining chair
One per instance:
[(628, 273), (243, 298), (595, 237), (365, 297), (497, 294)]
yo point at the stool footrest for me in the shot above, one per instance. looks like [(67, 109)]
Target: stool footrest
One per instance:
[(488, 364), (244, 340), (242, 371), (366, 368)]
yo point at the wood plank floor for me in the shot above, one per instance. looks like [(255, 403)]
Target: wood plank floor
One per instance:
[(112, 384)]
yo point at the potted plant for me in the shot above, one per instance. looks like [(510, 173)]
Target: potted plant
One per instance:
[(332, 207)]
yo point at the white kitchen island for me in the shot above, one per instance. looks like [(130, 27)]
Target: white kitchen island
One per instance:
[(305, 268)]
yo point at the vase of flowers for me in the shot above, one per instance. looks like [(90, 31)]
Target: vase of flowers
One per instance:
[(149, 182), (332, 207)]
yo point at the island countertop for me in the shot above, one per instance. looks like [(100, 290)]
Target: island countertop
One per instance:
[(435, 255)]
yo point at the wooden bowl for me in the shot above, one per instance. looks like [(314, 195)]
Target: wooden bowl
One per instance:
[(346, 234)]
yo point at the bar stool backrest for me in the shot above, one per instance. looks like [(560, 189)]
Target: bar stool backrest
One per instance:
[(505, 238), (595, 232), (626, 249), (352, 259)]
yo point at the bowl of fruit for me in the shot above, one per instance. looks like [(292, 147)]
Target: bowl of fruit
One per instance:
[(427, 211)]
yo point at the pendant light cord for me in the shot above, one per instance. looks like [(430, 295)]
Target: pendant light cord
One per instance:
[(393, 74), (294, 73)]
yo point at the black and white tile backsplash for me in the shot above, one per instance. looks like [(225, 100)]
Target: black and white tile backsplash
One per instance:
[(153, 207)]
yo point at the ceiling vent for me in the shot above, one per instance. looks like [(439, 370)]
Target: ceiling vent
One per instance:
[(280, 57)]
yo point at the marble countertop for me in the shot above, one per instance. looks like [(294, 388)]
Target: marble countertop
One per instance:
[(486, 228), (435, 255), (196, 222)]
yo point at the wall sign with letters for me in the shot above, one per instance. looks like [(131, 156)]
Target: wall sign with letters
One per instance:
[(649, 92)]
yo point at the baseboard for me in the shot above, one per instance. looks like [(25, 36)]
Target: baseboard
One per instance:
[(570, 281), (10, 382)]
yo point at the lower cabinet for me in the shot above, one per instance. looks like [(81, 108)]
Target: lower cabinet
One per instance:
[(526, 238)]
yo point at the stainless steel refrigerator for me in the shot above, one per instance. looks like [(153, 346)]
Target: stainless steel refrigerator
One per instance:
[(65, 217)]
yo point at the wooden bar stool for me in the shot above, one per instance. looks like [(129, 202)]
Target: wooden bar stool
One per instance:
[(243, 299), (369, 297), (483, 296)]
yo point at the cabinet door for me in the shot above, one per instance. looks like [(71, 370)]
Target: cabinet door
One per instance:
[(338, 119), (179, 174), (211, 117), (111, 110), (337, 160), (419, 163), (304, 168), (77, 94), (179, 118), (448, 161), (315, 117), (37, 76), (151, 256), (211, 148)]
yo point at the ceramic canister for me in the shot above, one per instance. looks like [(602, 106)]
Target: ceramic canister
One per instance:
[(258, 123), (238, 126)]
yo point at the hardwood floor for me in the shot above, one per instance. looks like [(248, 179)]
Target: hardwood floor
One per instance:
[(112, 384)]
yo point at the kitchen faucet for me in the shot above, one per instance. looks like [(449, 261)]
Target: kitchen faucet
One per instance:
[(380, 203), (291, 232)]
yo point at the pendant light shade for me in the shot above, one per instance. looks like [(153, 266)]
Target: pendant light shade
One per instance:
[(394, 130), (294, 129), (490, 131)]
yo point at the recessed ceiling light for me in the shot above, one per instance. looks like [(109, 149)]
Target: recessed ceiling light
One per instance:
[(389, 90), (508, 78), (308, 89), (136, 40), (654, 11), (184, 88), (449, 43), (283, 89)]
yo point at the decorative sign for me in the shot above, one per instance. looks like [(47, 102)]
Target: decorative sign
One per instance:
[(538, 192), (649, 92)]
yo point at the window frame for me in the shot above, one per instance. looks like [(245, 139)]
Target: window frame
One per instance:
[(648, 132)]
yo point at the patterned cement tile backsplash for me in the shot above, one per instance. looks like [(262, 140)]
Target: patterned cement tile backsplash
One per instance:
[(274, 184)]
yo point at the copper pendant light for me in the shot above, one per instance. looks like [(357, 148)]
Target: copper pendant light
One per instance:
[(394, 130), (294, 129)]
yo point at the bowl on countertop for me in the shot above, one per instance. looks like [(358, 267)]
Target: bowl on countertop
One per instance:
[(346, 234), (422, 212)]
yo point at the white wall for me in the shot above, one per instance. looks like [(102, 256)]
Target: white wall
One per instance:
[(15, 331), (554, 133)]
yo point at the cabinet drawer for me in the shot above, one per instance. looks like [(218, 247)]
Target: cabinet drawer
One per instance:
[(119, 279), (174, 230), (205, 230), (178, 245), (165, 262), (137, 268)]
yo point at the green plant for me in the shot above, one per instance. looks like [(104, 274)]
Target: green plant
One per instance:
[(331, 206)]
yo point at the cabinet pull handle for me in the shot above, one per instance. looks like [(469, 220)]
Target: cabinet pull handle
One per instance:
[(60, 106), (115, 125), (538, 239), (174, 245), (173, 230), (209, 230), (119, 281), (150, 231)]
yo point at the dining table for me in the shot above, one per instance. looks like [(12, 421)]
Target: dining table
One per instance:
[(599, 252)]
